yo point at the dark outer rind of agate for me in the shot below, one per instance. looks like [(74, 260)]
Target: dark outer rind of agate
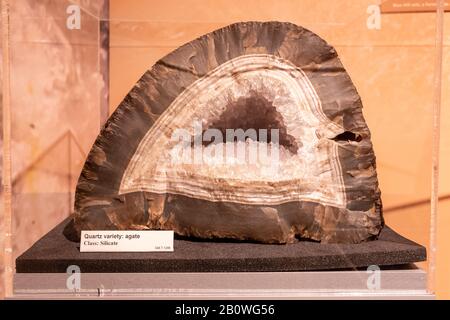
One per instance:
[(97, 203), (206, 219)]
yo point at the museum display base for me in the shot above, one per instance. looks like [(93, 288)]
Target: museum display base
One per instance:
[(54, 253), (204, 269), (406, 283)]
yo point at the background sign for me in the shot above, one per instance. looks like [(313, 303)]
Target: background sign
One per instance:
[(398, 6)]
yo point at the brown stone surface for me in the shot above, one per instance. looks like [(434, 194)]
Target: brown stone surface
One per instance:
[(128, 148)]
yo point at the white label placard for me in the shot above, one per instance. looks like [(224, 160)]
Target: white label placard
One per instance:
[(126, 240)]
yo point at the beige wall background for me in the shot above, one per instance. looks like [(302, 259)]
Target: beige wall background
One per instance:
[(56, 88)]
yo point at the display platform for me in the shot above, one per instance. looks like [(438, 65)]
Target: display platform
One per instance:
[(407, 282), (53, 253)]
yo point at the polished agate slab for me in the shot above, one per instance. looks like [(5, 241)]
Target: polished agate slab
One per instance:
[(315, 179), (310, 173)]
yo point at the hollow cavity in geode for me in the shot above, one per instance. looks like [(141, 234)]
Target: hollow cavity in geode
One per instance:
[(253, 112)]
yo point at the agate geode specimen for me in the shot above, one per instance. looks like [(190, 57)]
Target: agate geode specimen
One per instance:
[(245, 76)]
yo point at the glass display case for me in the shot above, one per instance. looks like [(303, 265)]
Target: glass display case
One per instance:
[(93, 91)]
